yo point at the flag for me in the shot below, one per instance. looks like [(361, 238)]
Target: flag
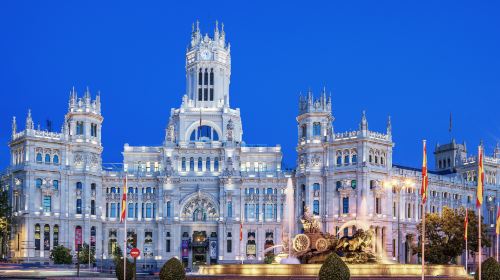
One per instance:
[(480, 177), (241, 231), (466, 224), (498, 220), (123, 212), (425, 178)]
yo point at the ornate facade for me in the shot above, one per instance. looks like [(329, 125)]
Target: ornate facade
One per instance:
[(196, 195)]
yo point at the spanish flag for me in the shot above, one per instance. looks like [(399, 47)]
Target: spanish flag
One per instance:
[(123, 212), (241, 231), (480, 177), (466, 224), (498, 220), (425, 177)]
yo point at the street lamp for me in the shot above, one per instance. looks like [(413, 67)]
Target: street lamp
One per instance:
[(397, 185)]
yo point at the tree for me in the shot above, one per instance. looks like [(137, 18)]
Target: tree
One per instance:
[(119, 270), (172, 270), (117, 255), (61, 255), (334, 269), (84, 255), (444, 235), (5, 220), (490, 270)]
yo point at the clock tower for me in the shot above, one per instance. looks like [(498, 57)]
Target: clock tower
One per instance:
[(208, 69)]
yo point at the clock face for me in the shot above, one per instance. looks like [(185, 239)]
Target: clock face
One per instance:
[(205, 54)]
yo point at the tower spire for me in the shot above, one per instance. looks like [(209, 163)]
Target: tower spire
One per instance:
[(389, 125), (14, 126), (364, 122)]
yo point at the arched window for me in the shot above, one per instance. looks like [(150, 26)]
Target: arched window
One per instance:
[(148, 190), (304, 131), (216, 164), (354, 184), (130, 190), (113, 190), (55, 160), (316, 129), (207, 164), (354, 159), (204, 133), (316, 187), (47, 158), (79, 185), (211, 76), (183, 164), (38, 183), (55, 236), (382, 161), (372, 184), (338, 185), (200, 78), (92, 207), (37, 236), (269, 191), (370, 158), (55, 184), (440, 164), (191, 164), (376, 159), (339, 160), (46, 237), (199, 215), (206, 77), (39, 157), (200, 164), (346, 159), (316, 207)]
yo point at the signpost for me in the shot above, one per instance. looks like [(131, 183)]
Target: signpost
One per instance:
[(134, 253)]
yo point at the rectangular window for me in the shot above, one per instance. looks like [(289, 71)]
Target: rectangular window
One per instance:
[(394, 248), (113, 210), (79, 206), (92, 207), (269, 212), (157, 166), (148, 166), (168, 245), (229, 245), (229, 209), (93, 130), (205, 95), (378, 209), (316, 129), (107, 210), (79, 128), (200, 96), (47, 203), (211, 94), (316, 207), (130, 210), (345, 204), (394, 209)]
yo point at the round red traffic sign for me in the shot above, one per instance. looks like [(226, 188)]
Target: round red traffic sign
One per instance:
[(134, 253)]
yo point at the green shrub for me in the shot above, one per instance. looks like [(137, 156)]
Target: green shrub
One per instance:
[(490, 270), (269, 259), (61, 255), (130, 270), (173, 270), (334, 268)]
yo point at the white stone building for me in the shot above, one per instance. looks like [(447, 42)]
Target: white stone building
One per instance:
[(189, 197)]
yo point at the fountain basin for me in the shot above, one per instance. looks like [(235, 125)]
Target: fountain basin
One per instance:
[(312, 270)]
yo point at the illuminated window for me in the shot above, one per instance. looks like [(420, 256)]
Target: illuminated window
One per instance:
[(38, 183), (38, 157), (316, 129), (345, 205), (55, 160), (316, 207), (183, 164), (47, 203), (79, 128), (47, 158)]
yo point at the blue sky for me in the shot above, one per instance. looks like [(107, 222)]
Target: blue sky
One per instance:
[(414, 60)]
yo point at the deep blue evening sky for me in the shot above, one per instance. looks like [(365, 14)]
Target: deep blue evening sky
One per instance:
[(414, 60)]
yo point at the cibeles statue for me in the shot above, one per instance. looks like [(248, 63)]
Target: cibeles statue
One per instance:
[(230, 128), (309, 222)]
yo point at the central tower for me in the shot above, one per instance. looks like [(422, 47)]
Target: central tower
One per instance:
[(208, 69)]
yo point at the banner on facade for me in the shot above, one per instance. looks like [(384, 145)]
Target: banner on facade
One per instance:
[(213, 249), (185, 248), (78, 236)]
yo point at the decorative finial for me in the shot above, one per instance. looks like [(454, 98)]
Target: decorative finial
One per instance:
[(192, 27), (197, 26), (14, 126), (29, 121), (216, 26), (364, 122)]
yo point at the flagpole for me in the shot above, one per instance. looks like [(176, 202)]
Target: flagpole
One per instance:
[(423, 192), (479, 242), (497, 225), (423, 241), (125, 233), (466, 237)]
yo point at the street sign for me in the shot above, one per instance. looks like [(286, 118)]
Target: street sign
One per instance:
[(134, 253)]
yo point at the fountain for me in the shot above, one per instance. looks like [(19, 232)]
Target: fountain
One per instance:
[(303, 254)]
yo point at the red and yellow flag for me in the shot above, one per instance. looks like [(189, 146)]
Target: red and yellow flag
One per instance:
[(241, 231), (466, 223), (425, 177), (123, 211), (480, 177), (498, 220)]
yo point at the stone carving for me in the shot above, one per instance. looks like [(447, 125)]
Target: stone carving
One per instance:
[(230, 127), (94, 160), (199, 208), (171, 133), (315, 160), (357, 248), (78, 159)]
